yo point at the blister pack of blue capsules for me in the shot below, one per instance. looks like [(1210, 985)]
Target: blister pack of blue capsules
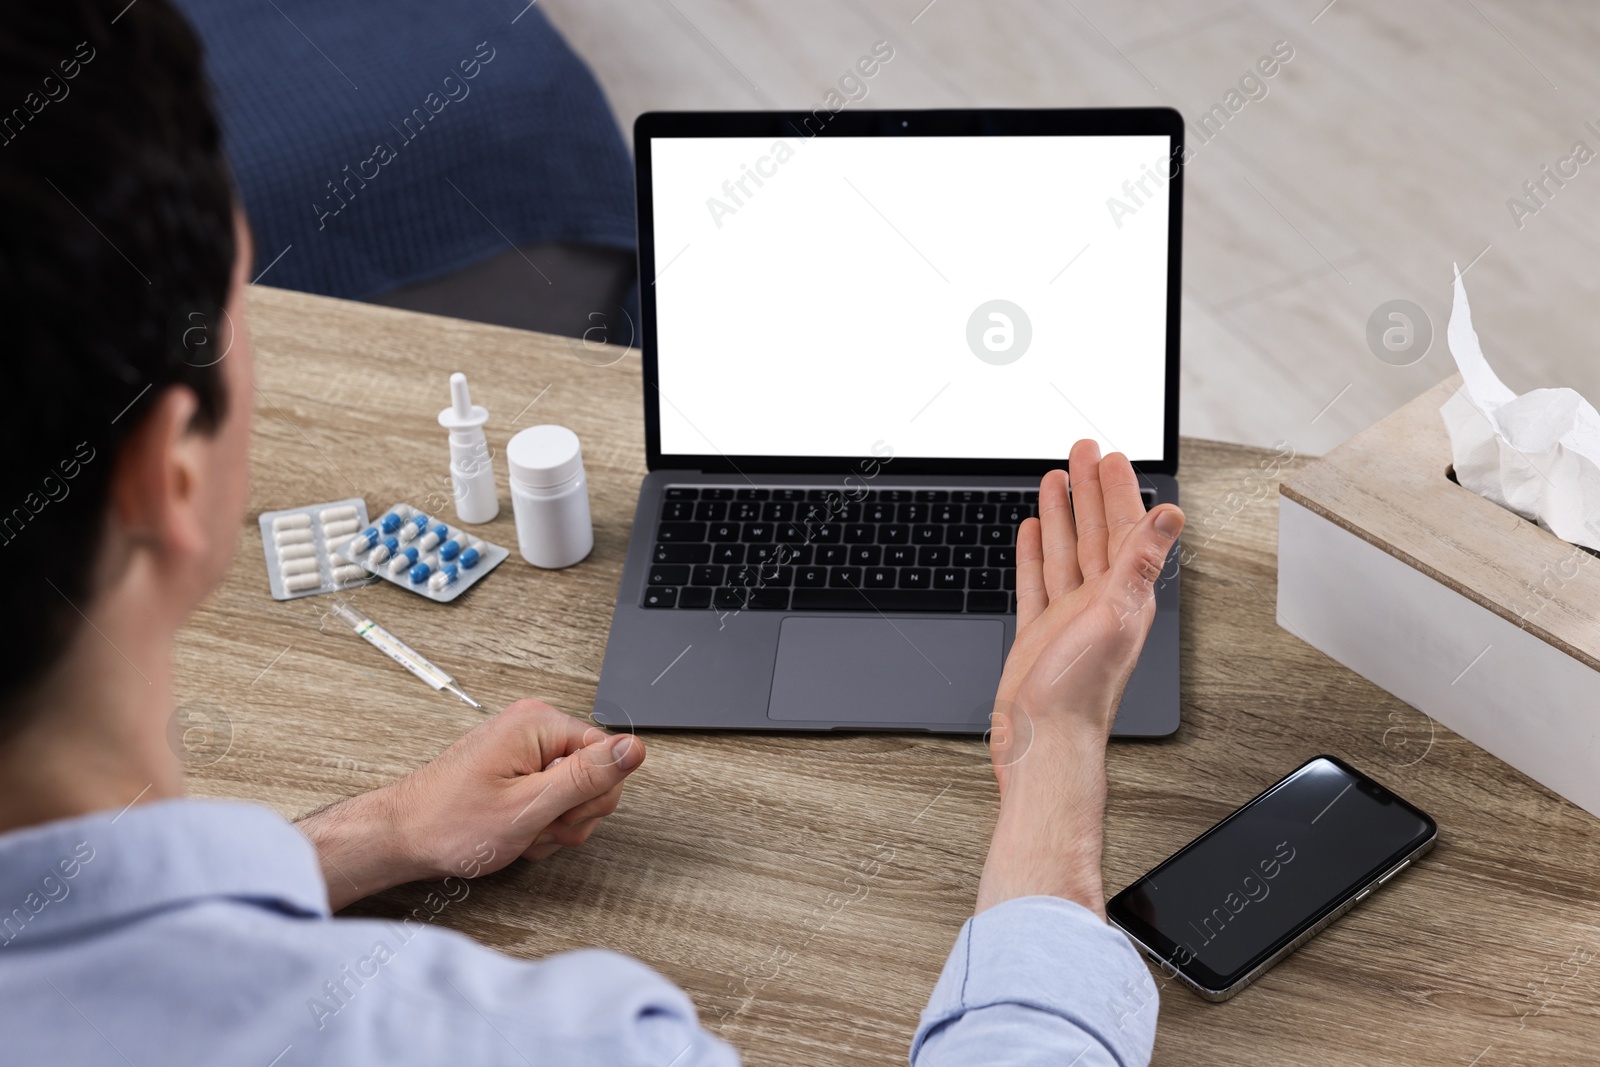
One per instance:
[(425, 555)]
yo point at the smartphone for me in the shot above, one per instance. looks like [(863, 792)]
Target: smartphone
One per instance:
[(1269, 877)]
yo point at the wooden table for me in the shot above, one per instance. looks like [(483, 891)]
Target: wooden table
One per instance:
[(805, 889)]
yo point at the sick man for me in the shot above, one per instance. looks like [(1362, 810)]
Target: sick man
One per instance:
[(140, 927)]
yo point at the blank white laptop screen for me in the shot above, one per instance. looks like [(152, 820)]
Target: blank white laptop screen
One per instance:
[(940, 297)]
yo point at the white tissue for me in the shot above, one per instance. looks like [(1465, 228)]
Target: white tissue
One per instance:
[(1537, 454)]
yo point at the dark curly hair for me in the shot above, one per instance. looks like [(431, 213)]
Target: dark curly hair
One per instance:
[(116, 252)]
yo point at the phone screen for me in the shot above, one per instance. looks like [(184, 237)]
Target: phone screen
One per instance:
[(1248, 886)]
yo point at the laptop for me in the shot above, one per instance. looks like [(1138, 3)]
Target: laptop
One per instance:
[(865, 336)]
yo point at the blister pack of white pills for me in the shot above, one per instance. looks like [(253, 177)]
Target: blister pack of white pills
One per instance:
[(303, 550), (418, 552)]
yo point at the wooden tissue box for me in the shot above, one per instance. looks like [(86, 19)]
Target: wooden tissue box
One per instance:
[(1455, 605)]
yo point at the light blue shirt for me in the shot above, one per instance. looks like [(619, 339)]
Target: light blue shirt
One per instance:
[(197, 932)]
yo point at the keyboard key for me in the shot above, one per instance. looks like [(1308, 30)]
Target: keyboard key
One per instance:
[(878, 578), (894, 496), (726, 599), (845, 578), (745, 511), (707, 574), (677, 510), (983, 578), (832, 555), (912, 513), (760, 553), (710, 511), (681, 492), (727, 553), (681, 553), (762, 575), (789, 494), (758, 532), (1005, 496), (681, 531), (949, 578), (961, 535), (967, 496), (946, 514), (997, 535), (1002, 556), (980, 514), (879, 512), (694, 598), (927, 534), (716, 494), (790, 553), (825, 533), (769, 599), (916, 578), (1009, 582), (751, 494), (669, 574), (777, 511), (660, 597), (812, 522), (812, 577), (933, 556), (997, 602), (1013, 514), (899, 556), (750, 599), (880, 600), (966, 557), (866, 555), (1031, 496), (722, 531), (894, 534), (858, 533), (819, 495), (933, 496)]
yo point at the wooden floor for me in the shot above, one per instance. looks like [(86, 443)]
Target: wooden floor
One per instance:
[(1384, 150)]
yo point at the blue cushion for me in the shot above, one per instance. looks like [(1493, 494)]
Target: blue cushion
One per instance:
[(347, 125)]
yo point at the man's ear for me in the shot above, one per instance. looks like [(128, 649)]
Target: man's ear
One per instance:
[(155, 485)]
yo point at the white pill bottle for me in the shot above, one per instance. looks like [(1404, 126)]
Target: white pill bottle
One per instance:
[(550, 496)]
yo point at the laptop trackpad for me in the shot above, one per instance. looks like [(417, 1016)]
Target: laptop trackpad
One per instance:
[(926, 672)]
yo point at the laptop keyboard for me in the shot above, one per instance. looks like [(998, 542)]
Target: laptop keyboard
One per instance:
[(878, 550)]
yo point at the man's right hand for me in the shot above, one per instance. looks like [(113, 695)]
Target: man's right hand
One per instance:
[(1086, 573), (524, 783)]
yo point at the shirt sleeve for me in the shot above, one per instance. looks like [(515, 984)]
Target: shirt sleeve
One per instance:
[(587, 1008), (1036, 981)]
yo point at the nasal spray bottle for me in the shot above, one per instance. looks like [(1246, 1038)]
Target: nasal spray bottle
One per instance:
[(471, 471)]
